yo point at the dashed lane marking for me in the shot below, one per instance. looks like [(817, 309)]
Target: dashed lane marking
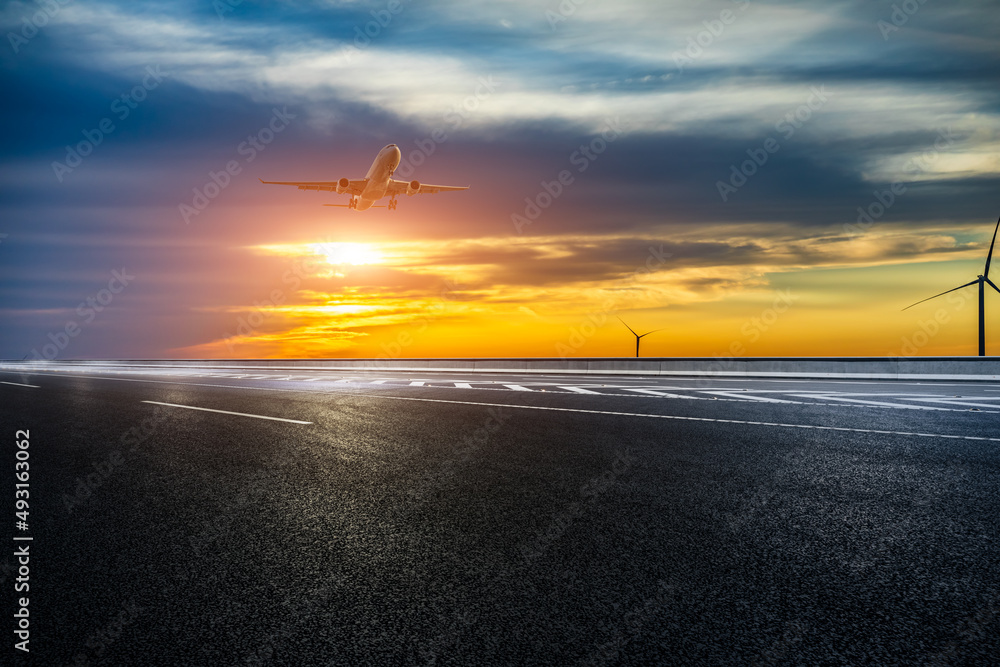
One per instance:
[(227, 412), (710, 420)]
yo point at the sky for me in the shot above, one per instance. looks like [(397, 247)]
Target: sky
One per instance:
[(752, 178)]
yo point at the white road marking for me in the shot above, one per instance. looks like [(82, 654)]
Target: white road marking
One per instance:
[(651, 392), (417, 383), (227, 412), (680, 418), (516, 387), (18, 384), (905, 406), (463, 385), (580, 390), (952, 401), (858, 404), (747, 397)]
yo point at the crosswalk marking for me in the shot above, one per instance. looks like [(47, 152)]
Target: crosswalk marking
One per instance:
[(917, 398), (965, 403), (905, 406), (651, 392), (750, 397), (581, 390)]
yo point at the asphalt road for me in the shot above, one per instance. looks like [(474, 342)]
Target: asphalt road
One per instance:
[(397, 518)]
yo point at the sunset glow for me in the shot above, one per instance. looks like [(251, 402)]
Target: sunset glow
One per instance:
[(608, 177)]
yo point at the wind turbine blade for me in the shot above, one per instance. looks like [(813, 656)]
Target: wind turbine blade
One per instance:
[(654, 331), (941, 294), (991, 283), (989, 255), (627, 326)]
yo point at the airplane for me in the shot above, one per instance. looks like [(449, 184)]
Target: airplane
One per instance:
[(376, 184)]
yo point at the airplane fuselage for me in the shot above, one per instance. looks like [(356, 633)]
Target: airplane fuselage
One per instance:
[(376, 184), (378, 176)]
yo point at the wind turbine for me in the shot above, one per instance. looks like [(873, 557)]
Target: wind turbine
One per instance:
[(637, 336), (982, 280)]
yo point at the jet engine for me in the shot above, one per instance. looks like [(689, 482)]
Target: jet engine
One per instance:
[(412, 188), (342, 185)]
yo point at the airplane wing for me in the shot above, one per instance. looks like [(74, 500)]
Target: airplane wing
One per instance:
[(356, 187), (400, 187)]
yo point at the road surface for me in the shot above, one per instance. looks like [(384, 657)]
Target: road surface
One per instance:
[(186, 516)]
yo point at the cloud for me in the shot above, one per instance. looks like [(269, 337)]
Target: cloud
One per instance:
[(689, 124)]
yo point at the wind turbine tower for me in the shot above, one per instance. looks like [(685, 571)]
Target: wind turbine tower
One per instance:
[(637, 336), (982, 281)]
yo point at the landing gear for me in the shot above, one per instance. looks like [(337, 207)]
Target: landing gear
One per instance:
[(392, 204), (354, 204)]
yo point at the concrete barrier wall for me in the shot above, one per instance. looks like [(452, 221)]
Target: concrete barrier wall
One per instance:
[(875, 368)]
